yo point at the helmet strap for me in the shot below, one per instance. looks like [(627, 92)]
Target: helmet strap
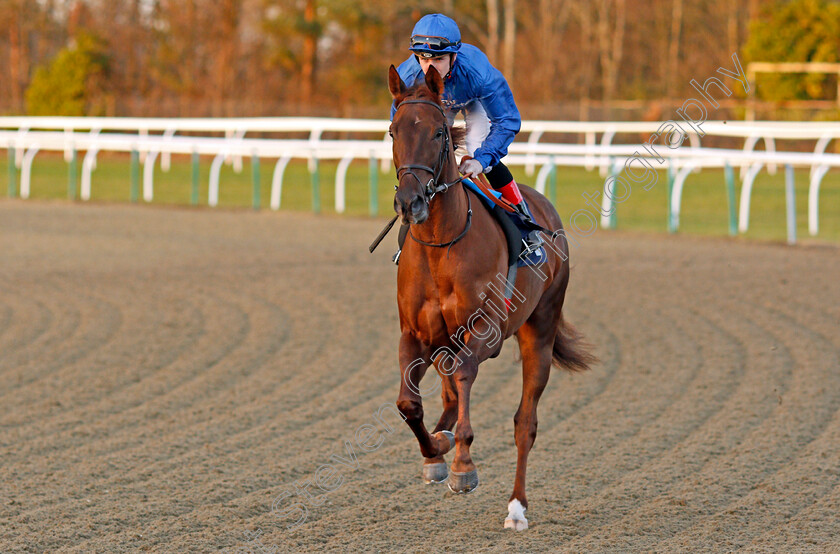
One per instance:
[(452, 56)]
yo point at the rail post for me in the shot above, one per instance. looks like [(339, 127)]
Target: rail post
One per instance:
[(255, 180), (135, 176), (613, 173), (12, 173), (373, 179), (71, 175), (730, 196), (195, 178), (552, 182), (316, 187), (790, 201), (672, 227)]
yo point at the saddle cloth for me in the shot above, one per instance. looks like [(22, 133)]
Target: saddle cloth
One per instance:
[(535, 258)]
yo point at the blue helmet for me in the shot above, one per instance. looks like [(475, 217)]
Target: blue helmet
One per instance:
[(434, 35)]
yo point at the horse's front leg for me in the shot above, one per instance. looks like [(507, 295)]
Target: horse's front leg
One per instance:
[(414, 361), (449, 397), (435, 469), (464, 477)]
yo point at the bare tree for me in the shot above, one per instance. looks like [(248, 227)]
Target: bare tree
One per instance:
[(492, 49), (510, 38), (18, 19), (731, 9), (611, 44), (14, 58), (310, 52), (227, 16), (553, 18), (585, 63), (674, 47)]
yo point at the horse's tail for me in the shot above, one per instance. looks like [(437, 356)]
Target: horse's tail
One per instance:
[(570, 351)]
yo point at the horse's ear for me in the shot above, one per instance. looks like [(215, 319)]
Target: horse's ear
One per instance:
[(434, 81), (395, 84)]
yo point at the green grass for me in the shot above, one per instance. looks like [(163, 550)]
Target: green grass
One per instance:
[(704, 205)]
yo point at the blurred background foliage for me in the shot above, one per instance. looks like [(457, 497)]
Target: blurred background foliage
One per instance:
[(805, 30), (565, 59)]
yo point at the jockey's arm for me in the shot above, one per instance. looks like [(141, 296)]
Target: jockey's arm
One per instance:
[(497, 99)]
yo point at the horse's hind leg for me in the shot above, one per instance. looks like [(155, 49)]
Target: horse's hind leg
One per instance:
[(535, 344), (434, 469)]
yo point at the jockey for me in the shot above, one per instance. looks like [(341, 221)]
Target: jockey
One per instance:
[(480, 91)]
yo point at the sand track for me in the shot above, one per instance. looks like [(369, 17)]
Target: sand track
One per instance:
[(166, 373)]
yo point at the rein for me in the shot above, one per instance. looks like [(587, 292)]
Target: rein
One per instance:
[(456, 239), (432, 187)]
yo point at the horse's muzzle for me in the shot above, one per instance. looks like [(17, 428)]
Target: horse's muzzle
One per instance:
[(412, 208)]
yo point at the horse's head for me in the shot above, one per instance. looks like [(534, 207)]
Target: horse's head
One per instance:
[(422, 143)]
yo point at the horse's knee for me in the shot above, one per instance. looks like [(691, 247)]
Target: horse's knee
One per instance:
[(466, 370), (464, 434), (524, 429), (410, 409)]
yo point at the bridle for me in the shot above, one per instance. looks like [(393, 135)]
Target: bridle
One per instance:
[(432, 187)]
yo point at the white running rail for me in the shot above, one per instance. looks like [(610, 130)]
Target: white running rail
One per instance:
[(226, 139)]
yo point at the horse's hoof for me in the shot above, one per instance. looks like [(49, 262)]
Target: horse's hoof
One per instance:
[(451, 436), (463, 482), (435, 473), (516, 517), (516, 524)]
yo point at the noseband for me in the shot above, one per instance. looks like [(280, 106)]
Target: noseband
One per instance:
[(432, 187)]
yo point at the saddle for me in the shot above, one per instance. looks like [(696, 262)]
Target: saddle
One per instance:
[(521, 227), (515, 229)]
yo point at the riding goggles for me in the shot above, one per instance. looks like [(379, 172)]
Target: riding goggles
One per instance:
[(439, 44)]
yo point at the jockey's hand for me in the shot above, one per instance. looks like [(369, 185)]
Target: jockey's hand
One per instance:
[(470, 168)]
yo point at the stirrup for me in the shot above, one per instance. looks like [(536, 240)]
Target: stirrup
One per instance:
[(396, 257), (532, 243)]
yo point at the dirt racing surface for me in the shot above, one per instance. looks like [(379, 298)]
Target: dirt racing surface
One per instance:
[(167, 375)]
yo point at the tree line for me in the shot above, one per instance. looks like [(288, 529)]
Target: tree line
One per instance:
[(330, 57)]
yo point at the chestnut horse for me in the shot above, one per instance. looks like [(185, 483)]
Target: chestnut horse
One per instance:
[(447, 272)]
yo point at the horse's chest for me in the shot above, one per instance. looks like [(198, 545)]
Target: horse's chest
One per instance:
[(436, 318)]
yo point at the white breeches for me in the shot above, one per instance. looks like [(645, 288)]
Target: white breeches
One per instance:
[(478, 126)]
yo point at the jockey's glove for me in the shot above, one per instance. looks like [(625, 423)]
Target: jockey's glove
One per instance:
[(470, 168)]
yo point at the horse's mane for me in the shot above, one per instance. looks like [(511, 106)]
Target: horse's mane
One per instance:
[(419, 91), (459, 135)]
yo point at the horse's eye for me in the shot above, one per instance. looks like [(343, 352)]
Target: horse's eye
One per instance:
[(390, 133), (439, 133)]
